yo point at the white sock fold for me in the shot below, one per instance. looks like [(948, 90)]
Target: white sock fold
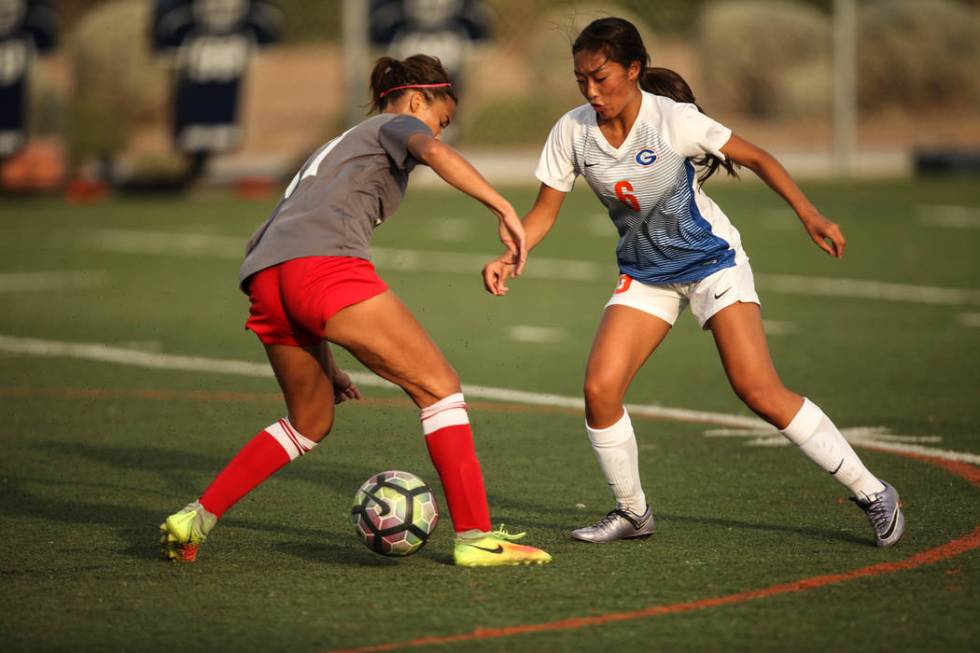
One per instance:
[(615, 449), (292, 441), (448, 411), (817, 437)]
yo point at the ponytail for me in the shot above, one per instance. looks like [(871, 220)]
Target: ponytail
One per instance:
[(665, 82), (390, 78)]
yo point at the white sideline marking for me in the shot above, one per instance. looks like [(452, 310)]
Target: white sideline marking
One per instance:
[(36, 281), (969, 319), (451, 230), (878, 437), (778, 327), (413, 260), (750, 426), (166, 243), (536, 334), (861, 289), (949, 215)]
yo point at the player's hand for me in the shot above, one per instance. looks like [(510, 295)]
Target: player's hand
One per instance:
[(495, 275), (826, 234), (513, 238), (343, 388)]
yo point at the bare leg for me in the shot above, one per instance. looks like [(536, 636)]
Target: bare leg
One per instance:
[(625, 339), (741, 341), (384, 335), (742, 344), (306, 386)]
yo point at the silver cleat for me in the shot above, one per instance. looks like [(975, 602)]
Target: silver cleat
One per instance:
[(885, 514), (617, 525)]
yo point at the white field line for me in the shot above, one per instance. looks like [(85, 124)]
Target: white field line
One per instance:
[(860, 289), (166, 243), (536, 334), (751, 425), (779, 327), (969, 319), (412, 260), (61, 280), (949, 216)]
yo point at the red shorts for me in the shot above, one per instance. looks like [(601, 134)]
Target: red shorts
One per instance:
[(292, 301)]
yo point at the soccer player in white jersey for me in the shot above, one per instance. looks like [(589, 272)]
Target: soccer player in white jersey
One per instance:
[(308, 274), (638, 143)]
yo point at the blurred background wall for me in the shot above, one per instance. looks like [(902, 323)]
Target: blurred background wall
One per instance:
[(763, 67)]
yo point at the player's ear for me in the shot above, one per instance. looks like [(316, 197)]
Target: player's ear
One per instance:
[(633, 72), (416, 102)]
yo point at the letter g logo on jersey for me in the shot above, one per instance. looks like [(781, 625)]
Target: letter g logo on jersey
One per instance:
[(645, 157)]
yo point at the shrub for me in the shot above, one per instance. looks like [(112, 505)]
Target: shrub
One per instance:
[(765, 58), (919, 53), (117, 81)]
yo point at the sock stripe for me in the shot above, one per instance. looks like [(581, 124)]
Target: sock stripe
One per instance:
[(294, 436), (285, 440)]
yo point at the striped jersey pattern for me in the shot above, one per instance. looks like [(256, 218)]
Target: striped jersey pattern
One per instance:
[(669, 230)]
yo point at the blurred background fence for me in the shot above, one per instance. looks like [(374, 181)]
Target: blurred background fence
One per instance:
[(764, 67)]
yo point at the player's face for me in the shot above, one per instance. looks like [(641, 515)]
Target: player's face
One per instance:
[(437, 114), (607, 85)]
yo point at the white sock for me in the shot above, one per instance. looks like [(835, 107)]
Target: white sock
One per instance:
[(615, 448), (819, 439)]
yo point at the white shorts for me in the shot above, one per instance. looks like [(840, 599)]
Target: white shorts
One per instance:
[(706, 297)]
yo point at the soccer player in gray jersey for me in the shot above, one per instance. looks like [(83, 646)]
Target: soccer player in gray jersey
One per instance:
[(308, 274), (637, 143)]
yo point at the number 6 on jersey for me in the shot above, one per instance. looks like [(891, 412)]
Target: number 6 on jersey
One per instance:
[(624, 191)]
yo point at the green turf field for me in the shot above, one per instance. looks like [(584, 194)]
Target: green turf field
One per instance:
[(95, 453)]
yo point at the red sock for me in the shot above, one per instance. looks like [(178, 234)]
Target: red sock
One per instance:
[(258, 460), (450, 441)]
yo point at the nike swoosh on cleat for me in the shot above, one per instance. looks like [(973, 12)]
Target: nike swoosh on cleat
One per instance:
[(719, 295), (499, 549), (891, 527)]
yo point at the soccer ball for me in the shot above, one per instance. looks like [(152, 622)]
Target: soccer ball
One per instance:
[(394, 513)]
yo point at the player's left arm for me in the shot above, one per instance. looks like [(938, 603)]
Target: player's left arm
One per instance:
[(344, 388), (826, 234)]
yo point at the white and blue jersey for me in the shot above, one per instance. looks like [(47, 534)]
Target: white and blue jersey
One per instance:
[(669, 230)]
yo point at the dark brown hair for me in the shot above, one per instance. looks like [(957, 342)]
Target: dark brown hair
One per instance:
[(620, 41), (390, 73)]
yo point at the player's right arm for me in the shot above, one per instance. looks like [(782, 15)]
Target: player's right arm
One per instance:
[(557, 172), (460, 174), (537, 223)]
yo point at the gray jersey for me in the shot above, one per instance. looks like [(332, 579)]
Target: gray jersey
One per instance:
[(346, 189)]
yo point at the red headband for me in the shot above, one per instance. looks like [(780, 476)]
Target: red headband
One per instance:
[(399, 88)]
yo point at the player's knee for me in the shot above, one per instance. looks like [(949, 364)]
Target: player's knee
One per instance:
[(434, 388), (314, 425), (449, 383), (761, 398), (602, 393)]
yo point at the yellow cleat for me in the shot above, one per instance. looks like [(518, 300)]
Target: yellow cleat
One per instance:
[(183, 532), (495, 549)]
